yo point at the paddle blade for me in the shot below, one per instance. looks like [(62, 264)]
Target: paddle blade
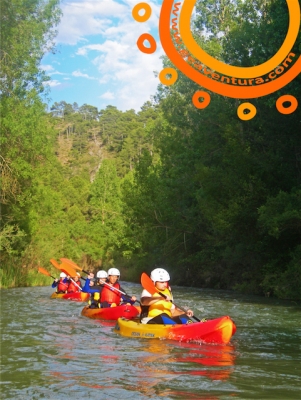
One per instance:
[(148, 284), (55, 263), (71, 263), (68, 270), (44, 271)]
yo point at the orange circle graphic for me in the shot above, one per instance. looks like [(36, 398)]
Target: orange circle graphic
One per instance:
[(246, 106), (233, 90), (286, 98), (152, 43), (168, 81), (196, 99), (230, 70), (147, 12)]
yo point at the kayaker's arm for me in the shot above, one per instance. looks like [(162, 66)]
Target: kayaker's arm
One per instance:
[(55, 283), (177, 311), (125, 297)]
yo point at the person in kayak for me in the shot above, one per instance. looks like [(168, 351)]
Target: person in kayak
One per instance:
[(93, 289), (62, 284), (109, 297), (74, 284), (156, 309)]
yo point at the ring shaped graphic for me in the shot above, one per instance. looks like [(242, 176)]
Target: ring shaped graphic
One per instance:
[(147, 12), (240, 72), (168, 81), (196, 99), (152, 43), (246, 106), (233, 91), (286, 110)]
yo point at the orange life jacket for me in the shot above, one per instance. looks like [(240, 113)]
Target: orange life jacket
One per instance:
[(62, 286), (110, 295), (73, 287)]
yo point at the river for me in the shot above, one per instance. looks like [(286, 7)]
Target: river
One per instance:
[(49, 351)]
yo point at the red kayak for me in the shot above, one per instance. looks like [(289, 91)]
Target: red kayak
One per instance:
[(77, 296), (112, 313)]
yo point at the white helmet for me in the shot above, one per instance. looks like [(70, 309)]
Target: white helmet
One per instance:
[(160, 275), (114, 271), (101, 274), (63, 275)]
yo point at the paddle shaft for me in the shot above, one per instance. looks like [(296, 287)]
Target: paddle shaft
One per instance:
[(117, 290), (44, 272)]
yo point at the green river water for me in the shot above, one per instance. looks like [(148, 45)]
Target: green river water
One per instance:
[(49, 351)]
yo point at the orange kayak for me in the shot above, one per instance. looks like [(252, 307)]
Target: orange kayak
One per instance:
[(112, 313), (219, 330), (77, 296)]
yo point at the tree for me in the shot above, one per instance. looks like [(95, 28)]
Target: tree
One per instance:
[(27, 29)]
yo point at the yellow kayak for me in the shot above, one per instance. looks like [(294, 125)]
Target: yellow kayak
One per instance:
[(77, 296), (219, 330)]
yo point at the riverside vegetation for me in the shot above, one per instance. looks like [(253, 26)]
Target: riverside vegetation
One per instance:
[(214, 199)]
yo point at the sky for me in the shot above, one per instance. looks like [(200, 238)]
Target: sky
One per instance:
[(97, 61)]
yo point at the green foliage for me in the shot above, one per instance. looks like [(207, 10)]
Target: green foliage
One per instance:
[(27, 31), (26, 134)]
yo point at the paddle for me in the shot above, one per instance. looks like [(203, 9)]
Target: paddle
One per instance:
[(45, 272), (149, 285), (65, 268), (73, 265), (55, 263), (71, 270)]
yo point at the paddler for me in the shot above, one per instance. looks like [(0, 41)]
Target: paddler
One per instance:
[(160, 310), (93, 289), (74, 284), (110, 295), (62, 284)]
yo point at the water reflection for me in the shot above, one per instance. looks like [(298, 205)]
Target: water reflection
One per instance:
[(214, 361)]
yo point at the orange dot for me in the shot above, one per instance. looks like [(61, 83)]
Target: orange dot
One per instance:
[(167, 81), (147, 12), (287, 98), (152, 43), (246, 106), (196, 99)]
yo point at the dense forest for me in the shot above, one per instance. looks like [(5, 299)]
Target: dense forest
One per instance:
[(214, 199)]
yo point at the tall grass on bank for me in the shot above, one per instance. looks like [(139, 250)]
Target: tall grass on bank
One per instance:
[(16, 276)]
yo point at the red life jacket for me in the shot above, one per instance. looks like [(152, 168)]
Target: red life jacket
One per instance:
[(73, 287), (62, 287), (110, 295)]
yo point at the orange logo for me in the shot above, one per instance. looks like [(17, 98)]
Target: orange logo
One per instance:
[(216, 76)]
